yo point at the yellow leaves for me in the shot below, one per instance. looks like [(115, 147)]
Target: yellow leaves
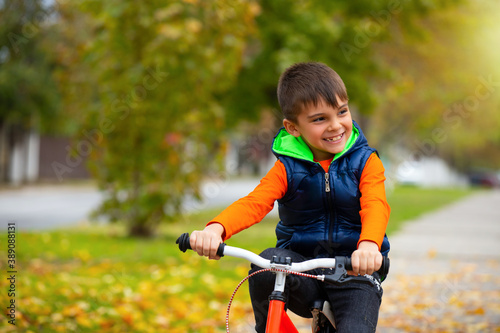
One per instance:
[(208, 279), (463, 301), (78, 311), (170, 31), (162, 321), (254, 8), (157, 274), (456, 301), (242, 270), (106, 324), (193, 26), (108, 279), (128, 314), (41, 287), (175, 289), (185, 271), (83, 321), (479, 311), (87, 294), (83, 255), (168, 12), (36, 304)]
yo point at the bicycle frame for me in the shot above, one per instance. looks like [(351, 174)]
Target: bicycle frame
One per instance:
[(278, 320)]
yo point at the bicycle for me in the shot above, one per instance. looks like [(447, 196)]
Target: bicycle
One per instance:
[(278, 320)]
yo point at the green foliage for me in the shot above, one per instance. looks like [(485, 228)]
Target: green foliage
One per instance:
[(408, 203), (28, 94)]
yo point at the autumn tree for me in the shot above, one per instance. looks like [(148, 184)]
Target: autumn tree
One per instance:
[(153, 119)]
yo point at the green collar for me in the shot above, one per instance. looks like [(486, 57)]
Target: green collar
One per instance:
[(288, 145)]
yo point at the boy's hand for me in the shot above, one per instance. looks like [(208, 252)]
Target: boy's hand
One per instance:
[(207, 241), (366, 259)]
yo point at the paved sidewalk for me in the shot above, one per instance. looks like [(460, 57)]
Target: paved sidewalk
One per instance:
[(47, 206), (445, 270), (467, 231)]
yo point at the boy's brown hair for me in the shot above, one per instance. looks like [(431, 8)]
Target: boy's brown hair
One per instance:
[(305, 83)]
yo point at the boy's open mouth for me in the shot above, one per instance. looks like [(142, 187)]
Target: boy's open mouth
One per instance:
[(335, 138)]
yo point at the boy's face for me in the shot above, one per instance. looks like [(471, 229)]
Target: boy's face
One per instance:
[(323, 128)]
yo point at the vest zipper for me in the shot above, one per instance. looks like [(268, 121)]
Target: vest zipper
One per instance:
[(331, 212)]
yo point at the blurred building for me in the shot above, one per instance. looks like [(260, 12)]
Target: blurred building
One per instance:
[(429, 172), (27, 157)]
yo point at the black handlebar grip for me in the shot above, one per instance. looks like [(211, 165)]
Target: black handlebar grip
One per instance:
[(383, 271), (184, 244), (348, 264), (220, 250)]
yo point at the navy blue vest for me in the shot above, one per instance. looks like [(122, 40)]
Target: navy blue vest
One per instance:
[(318, 220)]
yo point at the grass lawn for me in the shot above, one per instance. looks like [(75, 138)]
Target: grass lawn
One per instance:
[(409, 202), (95, 279)]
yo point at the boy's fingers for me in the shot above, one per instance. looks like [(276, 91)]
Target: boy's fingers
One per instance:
[(213, 252), (355, 263), (375, 263), (205, 243), (363, 266), (378, 262), (198, 243), (208, 246), (370, 268), (193, 240), (213, 247)]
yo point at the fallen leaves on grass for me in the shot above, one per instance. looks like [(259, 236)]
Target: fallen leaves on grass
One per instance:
[(462, 301), (86, 296)]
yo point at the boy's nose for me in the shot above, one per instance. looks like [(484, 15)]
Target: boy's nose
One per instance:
[(334, 125)]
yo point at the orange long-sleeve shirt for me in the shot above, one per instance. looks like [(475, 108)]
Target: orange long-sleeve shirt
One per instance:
[(251, 209)]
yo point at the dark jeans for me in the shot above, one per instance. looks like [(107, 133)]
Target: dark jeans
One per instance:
[(354, 305)]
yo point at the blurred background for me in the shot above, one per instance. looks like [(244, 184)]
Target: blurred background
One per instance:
[(149, 100), (145, 112)]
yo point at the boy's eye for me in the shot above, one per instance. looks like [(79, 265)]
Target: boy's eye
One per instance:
[(343, 111), (318, 119)]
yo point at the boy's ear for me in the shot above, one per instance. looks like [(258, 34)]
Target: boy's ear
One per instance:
[(291, 127)]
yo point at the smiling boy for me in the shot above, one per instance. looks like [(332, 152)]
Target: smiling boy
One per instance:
[(329, 185)]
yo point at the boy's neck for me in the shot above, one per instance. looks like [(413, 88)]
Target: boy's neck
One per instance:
[(326, 163)]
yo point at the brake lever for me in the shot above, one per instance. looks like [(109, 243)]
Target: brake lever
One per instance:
[(340, 276)]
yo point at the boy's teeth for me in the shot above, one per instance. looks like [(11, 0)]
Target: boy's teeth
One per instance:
[(335, 138)]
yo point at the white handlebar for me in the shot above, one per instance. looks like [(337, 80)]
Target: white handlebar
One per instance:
[(265, 263)]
